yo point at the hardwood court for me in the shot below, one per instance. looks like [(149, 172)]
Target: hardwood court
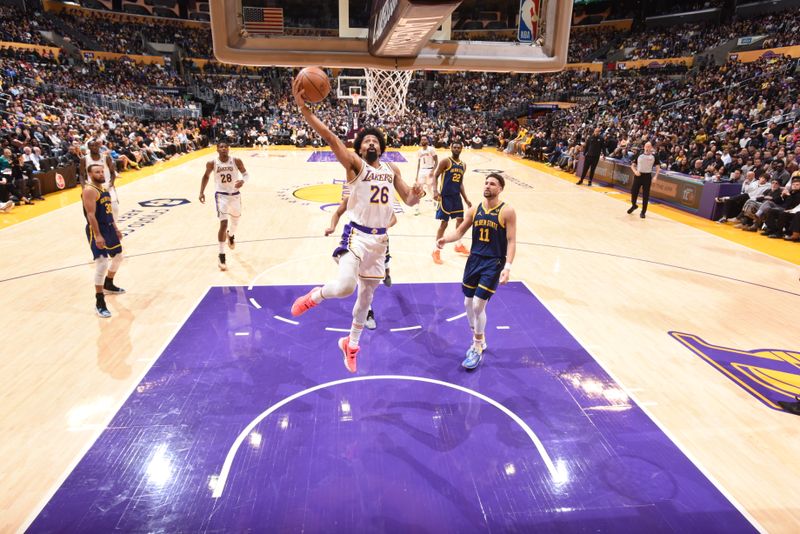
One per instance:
[(620, 285)]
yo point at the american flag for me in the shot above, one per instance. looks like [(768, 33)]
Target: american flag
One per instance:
[(263, 19)]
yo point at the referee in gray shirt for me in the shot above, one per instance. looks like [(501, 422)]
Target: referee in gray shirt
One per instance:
[(643, 177)]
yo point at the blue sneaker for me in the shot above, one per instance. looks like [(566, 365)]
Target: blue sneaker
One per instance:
[(473, 359)]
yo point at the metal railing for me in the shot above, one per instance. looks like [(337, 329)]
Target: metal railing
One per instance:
[(123, 107)]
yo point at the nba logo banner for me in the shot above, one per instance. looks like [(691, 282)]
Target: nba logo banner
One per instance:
[(529, 11)]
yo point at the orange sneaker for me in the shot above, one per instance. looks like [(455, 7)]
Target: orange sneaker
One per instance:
[(461, 249), (437, 257), (303, 304), (349, 354)]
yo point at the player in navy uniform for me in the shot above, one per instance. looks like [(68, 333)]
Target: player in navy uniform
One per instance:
[(449, 194), (494, 244), (104, 237)]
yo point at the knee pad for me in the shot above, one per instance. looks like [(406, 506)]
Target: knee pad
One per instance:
[(100, 269), (116, 261)]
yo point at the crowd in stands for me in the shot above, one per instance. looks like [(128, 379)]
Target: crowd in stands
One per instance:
[(106, 32), (583, 43), (714, 123), (41, 129), (657, 43), (735, 123), (18, 27)]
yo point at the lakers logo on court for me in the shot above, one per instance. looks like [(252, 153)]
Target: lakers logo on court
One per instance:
[(770, 375)]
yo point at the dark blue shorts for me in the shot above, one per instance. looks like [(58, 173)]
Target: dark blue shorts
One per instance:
[(450, 207), (481, 276), (113, 246)]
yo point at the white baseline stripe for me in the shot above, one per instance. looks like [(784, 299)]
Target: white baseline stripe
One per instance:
[(504, 328), (459, 316), (242, 334), (255, 304), (418, 327), (226, 466), (285, 320), (331, 329)]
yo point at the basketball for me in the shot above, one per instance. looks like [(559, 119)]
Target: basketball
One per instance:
[(315, 83)]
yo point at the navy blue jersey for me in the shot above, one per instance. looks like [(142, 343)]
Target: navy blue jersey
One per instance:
[(105, 221), (452, 177), (102, 208), (489, 232)]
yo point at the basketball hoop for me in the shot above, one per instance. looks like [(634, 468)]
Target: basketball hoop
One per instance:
[(386, 91)]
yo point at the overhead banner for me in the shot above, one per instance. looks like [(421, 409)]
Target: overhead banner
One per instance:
[(529, 15)]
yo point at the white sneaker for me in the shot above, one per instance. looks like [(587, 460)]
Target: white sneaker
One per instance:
[(7, 206), (370, 322)]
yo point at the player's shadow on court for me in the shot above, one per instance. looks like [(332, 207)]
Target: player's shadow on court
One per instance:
[(114, 342)]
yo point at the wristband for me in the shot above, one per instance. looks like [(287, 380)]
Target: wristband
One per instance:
[(245, 177), (507, 267)]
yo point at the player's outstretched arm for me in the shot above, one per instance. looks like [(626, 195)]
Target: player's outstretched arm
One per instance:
[(204, 182), (464, 191), (340, 209), (510, 220), (409, 195), (348, 159), (440, 168), (458, 233)]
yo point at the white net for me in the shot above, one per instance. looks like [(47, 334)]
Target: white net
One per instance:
[(386, 92)]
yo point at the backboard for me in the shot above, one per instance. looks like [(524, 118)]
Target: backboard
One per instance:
[(468, 35)]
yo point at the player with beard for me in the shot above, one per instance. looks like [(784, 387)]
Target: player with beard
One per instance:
[(494, 244), (372, 184), (104, 237)]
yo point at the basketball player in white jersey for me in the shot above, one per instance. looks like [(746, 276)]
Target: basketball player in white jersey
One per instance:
[(229, 177), (94, 157), (362, 251), (427, 160)]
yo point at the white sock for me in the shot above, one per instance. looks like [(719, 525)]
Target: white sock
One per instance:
[(316, 296), (355, 334), (222, 247)]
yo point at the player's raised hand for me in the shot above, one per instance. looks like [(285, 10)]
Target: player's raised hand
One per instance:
[(299, 93)]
